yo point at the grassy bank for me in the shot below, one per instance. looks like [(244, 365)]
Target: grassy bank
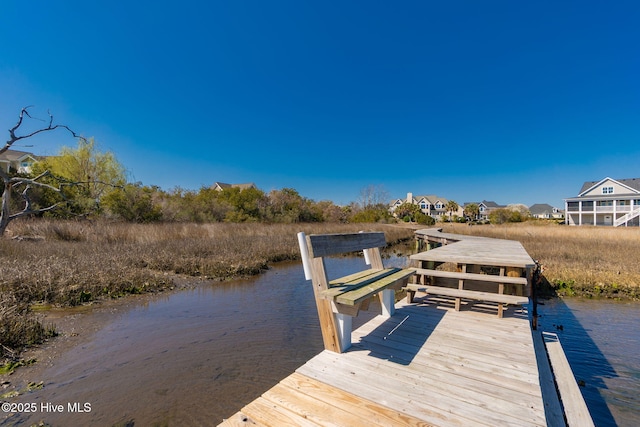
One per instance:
[(71, 263)]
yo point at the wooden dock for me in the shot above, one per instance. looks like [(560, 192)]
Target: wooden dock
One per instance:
[(427, 364)]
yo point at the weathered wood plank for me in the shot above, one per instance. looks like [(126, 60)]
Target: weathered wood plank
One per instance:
[(554, 413), (354, 281), (456, 351), (268, 413), (472, 276), (399, 387), (321, 245), (359, 412), (463, 293), (474, 250), (239, 420), (506, 404), (575, 408), (354, 296)]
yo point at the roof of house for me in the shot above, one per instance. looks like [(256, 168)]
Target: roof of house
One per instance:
[(540, 208), (633, 183), (432, 198), (244, 186), (15, 155)]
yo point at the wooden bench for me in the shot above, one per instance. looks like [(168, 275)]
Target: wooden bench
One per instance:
[(500, 297), (339, 300)]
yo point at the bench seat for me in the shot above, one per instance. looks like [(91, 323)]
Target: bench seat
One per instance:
[(472, 276), (353, 289), (459, 293), (463, 293)]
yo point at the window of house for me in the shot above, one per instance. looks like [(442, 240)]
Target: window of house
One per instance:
[(604, 203), (607, 190), (423, 205)]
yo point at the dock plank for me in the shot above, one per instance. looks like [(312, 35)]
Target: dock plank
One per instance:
[(361, 412)]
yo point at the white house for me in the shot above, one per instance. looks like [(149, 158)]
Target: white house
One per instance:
[(545, 211), (17, 161), (484, 208), (610, 202), (219, 186), (433, 206)]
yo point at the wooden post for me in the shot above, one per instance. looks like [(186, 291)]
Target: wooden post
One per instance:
[(328, 322), (387, 301), (501, 291), (460, 286)]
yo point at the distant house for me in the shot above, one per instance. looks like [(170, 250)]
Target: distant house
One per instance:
[(14, 161), (219, 186), (545, 211), (485, 207), (432, 205), (610, 202)]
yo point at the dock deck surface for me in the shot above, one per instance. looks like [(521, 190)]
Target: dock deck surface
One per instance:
[(427, 365)]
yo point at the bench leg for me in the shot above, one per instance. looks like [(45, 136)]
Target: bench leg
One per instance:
[(500, 309), (410, 295), (344, 324), (387, 301)]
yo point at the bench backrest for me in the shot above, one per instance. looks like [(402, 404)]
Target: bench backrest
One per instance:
[(321, 245), (316, 246)]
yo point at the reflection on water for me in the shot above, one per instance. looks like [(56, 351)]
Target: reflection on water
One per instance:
[(600, 339), (190, 358), (196, 357)]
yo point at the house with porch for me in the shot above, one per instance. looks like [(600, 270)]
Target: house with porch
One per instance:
[(484, 209), (545, 211), (608, 202), (14, 161), (431, 205)]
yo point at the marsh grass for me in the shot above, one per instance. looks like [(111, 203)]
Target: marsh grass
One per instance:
[(70, 263)]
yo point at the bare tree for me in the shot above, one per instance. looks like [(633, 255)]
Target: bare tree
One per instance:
[(373, 195), (21, 185)]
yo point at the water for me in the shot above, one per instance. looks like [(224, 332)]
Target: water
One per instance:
[(196, 357), (602, 343), (188, 358)]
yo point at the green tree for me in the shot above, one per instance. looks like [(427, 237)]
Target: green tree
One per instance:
[(502, 215), (330, 212), (472, 211), (18, 190), (451, 207), (86, 173), (410, 212), (133, 203), (373, 213), (247, 205)]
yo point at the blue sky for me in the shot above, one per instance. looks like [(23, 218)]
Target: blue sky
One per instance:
[(510, 101)]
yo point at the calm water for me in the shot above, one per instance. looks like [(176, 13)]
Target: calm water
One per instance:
[(196, 357), (602, 342)]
